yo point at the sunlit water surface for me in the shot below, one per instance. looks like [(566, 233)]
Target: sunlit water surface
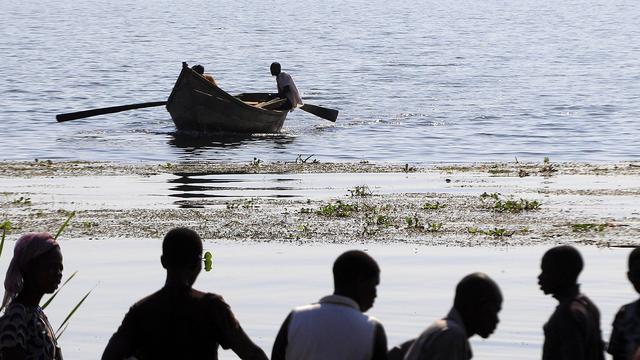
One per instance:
[(421, 82)]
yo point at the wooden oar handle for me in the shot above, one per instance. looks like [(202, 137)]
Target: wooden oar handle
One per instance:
[(107, 110)]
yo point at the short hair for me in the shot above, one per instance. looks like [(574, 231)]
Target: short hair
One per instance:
[(476, 288), (276, 66), (566, 259), (181, 246), (634, 259), (352, 266), (198, 68)]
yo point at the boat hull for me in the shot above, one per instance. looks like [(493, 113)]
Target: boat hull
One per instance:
[(196, 104)]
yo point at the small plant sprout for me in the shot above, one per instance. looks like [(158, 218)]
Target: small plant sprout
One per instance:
[(22, 201), (337, 209), (408, 169), (300, 160), (588, 227), (6, 227), (360, 191), (208, 261), (434, 227), (65, 224), (432, 206)]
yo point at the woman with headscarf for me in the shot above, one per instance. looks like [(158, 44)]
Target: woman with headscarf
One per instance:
[(36, 269)]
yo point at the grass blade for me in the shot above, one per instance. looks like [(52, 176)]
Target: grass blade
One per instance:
[(6, 226), (64, 225), (75, 308), (60, 288)]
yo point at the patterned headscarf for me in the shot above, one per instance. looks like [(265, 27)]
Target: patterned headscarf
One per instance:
[(28, 247)]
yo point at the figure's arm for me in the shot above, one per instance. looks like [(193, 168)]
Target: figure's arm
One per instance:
[(246, 349), (572, 328), (280, 344), (380, 344), (232, 336), (118, 348), (617, 343)]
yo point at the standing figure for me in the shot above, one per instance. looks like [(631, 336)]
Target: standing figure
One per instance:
[(286, 88), (625, 336), (335, 328), (177, 321), (573, 330), (35, 270), (477, 302)]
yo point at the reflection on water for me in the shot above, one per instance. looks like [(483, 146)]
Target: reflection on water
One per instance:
[(195, 143)]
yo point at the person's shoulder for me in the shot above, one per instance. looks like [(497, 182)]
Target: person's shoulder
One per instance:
[(210, 299), (14, 313)]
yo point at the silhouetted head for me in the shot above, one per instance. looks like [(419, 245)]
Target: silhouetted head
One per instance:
[(560, 266), (275, 69), (36, 266), (634, 268), (356, 275), (182, 253), (198, 68), (478, 300)]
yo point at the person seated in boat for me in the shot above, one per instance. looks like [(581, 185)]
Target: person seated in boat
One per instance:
[(200, 70), (286, 88), (179, 322), (476, 305)]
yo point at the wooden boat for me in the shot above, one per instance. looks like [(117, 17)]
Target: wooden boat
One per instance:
[(195, 104)]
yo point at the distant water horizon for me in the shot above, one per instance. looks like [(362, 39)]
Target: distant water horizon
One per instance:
[(420, 83)]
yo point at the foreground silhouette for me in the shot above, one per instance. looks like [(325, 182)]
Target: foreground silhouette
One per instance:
[(625, 335), (477, 302), (573, 330), (179, 322), (335, 328), (35, 270)]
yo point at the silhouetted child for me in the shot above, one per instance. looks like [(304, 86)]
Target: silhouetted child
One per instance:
[(573, 330), (475, 311), (179, 322), (625, 336), (335, 327)]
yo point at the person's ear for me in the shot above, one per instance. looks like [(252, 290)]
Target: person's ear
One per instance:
[(163, 261)]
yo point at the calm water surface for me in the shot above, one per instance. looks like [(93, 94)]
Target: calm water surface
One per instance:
[(420, 82)]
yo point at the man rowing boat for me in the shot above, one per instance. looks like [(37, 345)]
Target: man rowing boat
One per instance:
[(286, 88)]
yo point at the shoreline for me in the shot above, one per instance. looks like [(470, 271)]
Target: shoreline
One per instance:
[(488, 204)]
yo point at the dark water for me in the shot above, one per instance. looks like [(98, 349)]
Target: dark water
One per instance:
[(417, 82)]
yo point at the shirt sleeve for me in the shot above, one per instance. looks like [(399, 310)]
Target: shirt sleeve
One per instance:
[(224, 322)]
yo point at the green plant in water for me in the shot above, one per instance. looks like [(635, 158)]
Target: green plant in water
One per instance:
[(434, 227), (547, 166), (433, 206), (383, 220), (588, 227), (300, 160), (65, 224), (360, 190), (22, 201), (208, 261), (408, 169), (494, 196), (339, 209), (516, 205), (256, 162)]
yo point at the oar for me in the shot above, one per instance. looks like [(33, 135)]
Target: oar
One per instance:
[(107, 110), (325, 113)]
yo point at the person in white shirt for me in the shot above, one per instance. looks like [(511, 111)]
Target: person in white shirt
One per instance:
[(286, 88), (475, 311), (335, 328)]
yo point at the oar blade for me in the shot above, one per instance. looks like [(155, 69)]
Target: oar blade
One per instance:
[(325, 113)]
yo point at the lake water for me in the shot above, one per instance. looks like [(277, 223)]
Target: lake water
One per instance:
[(419, 82)]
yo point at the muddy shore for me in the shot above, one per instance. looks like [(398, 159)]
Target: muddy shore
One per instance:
[(459, 205)]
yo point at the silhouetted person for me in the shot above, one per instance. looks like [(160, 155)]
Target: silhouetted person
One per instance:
[(573, 330), (179, 322), (477, 302), (200, 70), (335, 328), (286, 88), (35, 270), (625, 336)]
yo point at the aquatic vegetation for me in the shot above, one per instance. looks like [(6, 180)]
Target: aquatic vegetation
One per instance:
[(408, 169), (383, 220), (494, 196), (523, 173), (256, 162), (21, 201), (306, 211), (434, 227), (516, 205), (208, 261), (360, 191), (65, 224), (433, 206), (413, 222), (337, 209), (588, 227), (547, 167), (65, 323), (300, 160), (88, 224), (242, 204), (495, 232)]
